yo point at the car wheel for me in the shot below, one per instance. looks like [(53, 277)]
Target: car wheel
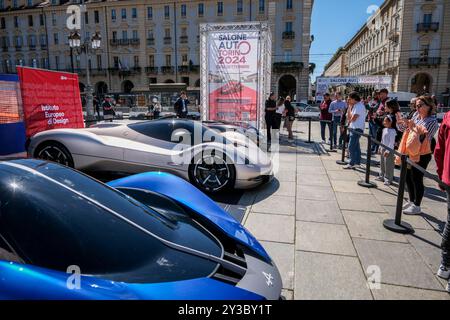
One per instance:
[(55, 152), (211, 172)]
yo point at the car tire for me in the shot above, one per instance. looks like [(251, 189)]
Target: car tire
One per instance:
[(55, 152), (212, 177)]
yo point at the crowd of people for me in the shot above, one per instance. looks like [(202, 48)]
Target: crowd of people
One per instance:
[(413, 133)]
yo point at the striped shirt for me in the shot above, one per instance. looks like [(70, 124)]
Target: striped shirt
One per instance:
[(430, 123)]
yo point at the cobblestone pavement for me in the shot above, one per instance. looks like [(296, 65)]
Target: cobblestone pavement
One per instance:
[(326, 235)]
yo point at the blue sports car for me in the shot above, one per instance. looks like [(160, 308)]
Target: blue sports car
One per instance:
[(64, 235)]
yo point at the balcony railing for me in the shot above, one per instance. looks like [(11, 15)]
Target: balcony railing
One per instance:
[(98, 72), (135, 41), (184, 39), (425, 62), (167, 40), (288, 66), (43, 47), (124, 42), (5, 49), (183, 69), (18, 48), (151, 41), (32, 47), (151, 70), (288, 35), (194, 68), (428, 26), (167, 70)]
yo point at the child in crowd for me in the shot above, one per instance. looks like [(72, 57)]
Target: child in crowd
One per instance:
[(387, 161)]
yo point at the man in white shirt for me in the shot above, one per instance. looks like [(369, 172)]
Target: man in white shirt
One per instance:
[(357, 121)]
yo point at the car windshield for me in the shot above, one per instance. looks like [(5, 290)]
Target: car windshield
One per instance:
[(175, 131), (102, 231)]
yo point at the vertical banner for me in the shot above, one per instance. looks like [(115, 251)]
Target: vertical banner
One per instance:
[(51, 100), (12, 130), (233, 71)]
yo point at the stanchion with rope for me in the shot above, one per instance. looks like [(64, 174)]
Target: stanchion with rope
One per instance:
[(309, 131), (397, 225), (342, 162), (366, 183)]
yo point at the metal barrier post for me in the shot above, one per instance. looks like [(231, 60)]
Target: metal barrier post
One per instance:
[(396, 225), (342, 162), (366, 183), (309, 131)]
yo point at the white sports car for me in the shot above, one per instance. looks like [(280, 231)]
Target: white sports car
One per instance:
[(209, 159)]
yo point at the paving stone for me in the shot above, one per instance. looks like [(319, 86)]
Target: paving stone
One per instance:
[(318, 170), (276, 205), (385, 197), (312, 179), (319, 211), (344, 278), (399, 263), (323, 237), (369, 226), (428, 244), (349, 187), (284, 175), (358, 202), (391, 292), (283, 255), (343, 176), (315, 193), (331, 165), (276, 188), (271, 227)]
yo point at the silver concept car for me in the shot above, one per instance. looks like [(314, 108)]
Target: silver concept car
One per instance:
[(209, 159)]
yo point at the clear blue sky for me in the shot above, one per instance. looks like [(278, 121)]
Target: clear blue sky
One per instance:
[(334, 23)]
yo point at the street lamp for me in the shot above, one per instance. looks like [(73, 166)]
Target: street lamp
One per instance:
[(94, 43)]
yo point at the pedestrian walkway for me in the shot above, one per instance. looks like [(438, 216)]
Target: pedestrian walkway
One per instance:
[(326, 235)]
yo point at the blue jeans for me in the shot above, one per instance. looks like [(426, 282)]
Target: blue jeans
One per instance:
[(336, 125), (354, 148), (373, 129), (323, 126)]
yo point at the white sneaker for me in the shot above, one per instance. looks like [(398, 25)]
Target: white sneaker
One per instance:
[(380, 178), (443, 272), (387, 183), (406, 205), (323, 142), (349, 167), (413, 210)]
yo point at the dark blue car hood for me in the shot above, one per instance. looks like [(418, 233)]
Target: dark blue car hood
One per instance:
[(184, 193)]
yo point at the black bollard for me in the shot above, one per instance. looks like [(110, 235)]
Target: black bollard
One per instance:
[(366, 183), (309, 131), (396, 225), (342, 162)]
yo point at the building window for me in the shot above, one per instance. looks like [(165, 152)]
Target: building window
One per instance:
[(30, 20), (124, 34), (168, 60), (55, 39), (184, 59), (183, 10), (425, 51), (45, 63), (166, 12), (149, 13), (43, 40), (16, 22), (114, 35), (167, 33), (124, 13), (134, 13), (116, 62), (288, 4), (53, 19), (136, 61), (3, 23), (57, 62), (135, 34), (220, 8), (113, 14), (86, 17), (151, 60), (15, 5), (289, 26), (428, 18), (99, 62), (262, 5), (288, 56), (96, 17), (201, 9), (41, 19), (239, 6), (2, 4)]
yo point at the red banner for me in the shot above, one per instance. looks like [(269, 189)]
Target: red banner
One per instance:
[(51, 100)]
